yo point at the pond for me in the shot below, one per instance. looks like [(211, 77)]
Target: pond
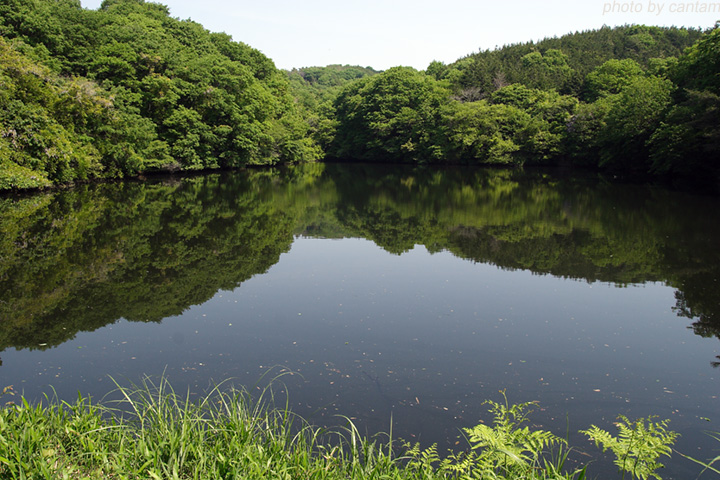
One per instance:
[(398, 297)]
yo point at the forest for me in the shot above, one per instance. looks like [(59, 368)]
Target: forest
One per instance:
[(127, 90), (633, 99)]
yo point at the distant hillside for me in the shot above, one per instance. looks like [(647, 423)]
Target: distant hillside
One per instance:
[(634, 100), (315, 89), (314, 85), (332, 75), (562, 63)]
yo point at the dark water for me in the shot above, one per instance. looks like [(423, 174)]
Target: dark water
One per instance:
[(389, 293)]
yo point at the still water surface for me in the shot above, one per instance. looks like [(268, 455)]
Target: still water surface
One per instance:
[(388, 292)]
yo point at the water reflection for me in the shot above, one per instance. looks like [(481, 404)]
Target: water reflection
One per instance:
[(446, 285), (79, 259)]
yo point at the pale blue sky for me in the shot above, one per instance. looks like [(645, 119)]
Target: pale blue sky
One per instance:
[(386, 33)]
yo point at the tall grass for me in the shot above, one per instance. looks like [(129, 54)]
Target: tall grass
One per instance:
[(152, 432)]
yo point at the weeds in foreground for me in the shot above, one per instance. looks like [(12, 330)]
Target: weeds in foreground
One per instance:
[(638, 445), (152, 432), (507, 449)]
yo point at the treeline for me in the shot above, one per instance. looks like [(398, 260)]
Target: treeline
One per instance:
[(127, 89), (617, 99), (562, 63), (315, 89), (313, 85)]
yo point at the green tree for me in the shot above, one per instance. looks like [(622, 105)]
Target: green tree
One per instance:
[(550, 112), (611, 77), (392, 116), (687, 142), (483, 133), (633, 116), (699, 67), (546, 71), (45, 120), (140, 90)]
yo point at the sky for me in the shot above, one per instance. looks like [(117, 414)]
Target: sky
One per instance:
[(386, 33)]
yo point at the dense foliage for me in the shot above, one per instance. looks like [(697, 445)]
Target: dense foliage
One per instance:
[(563, 63), (390, 116), (127, 89), (314, 85), (315, 88), (618, 99)]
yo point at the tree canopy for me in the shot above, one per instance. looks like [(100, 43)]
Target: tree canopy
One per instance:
[(127, 89), (571, 101)]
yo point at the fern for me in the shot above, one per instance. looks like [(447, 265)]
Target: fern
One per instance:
[(421, 461), (506, 447), (638, 445)]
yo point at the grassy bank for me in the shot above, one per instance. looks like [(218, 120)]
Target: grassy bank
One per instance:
[(152, 432)]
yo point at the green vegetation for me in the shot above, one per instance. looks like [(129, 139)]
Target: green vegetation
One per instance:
[(619, 99), (507, 449), (316, 85), (315, 88), (638, 445), (564, 63), (687, 140), (127, 89), (151, 431), (392, 116)]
